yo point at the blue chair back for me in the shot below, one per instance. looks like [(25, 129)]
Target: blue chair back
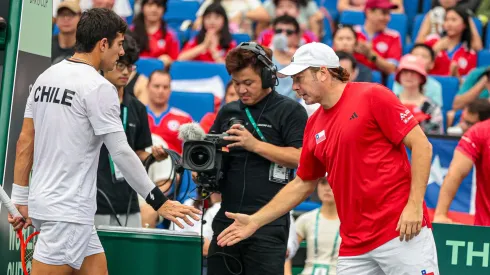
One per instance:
[(241, 37), (146, 66), (330, 6), (195, 104), (483, 57), (328, 37), (377, 77), (426, 5), (179, 11), (198, 70)]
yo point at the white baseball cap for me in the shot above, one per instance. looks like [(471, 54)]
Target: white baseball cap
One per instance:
[(313, 54)]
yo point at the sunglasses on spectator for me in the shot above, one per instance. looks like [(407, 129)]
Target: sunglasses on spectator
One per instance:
[(288, 32), (121, 66)]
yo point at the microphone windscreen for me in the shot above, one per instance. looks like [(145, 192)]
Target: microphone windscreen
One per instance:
[(191, 131)]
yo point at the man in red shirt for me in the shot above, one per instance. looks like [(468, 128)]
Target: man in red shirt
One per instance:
[(378, 47), (473, 149), (357, 140), (164, 120)]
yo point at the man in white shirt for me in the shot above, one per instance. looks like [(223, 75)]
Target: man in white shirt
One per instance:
[(70, 112)]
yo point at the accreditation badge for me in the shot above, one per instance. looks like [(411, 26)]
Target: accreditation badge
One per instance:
[(279, 174)]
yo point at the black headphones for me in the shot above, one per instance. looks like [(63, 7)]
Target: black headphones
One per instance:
[(268, 74)]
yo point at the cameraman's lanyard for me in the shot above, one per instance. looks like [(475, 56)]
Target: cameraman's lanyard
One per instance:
[(116, 173), (322, 269), (277, 173)]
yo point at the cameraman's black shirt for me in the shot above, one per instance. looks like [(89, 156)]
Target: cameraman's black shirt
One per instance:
[(139, 138), (282, 122)]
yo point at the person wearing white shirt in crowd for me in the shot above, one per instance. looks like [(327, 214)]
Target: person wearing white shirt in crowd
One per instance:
[(320, 229)]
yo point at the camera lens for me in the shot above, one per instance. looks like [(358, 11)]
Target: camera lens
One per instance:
[(234, 121), (199, 156)]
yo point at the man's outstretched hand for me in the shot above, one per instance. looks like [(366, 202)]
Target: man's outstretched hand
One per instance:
[(243, 227), (171, 210)]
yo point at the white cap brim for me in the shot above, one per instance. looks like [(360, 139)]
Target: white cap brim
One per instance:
[(292, 69)]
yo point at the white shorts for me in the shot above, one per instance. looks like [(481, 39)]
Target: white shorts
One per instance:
[(64, 243), (415, 257)]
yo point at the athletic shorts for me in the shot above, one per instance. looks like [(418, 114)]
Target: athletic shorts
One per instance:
[(64, 243), (417, 256)]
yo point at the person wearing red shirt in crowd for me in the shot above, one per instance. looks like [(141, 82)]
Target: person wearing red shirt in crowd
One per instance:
[(473, 149), (291, 8), (378, 47), (358, 140), (208, 119), (214, 41), (456, 51), (155, 39), (164, 120)]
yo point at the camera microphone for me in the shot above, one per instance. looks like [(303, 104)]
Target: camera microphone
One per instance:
[(191, 131)]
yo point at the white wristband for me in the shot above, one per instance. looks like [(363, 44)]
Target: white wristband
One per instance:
[(20, 194)]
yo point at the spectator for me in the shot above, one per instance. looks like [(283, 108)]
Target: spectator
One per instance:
[(266, 37), (359, 5), (306, 12), (67, 17), (345, 40), (348, 62), (208, 119), (476, 85), (120, 7), (432, 25), (155, 38), (284, 43), (213, 41), (320, 229), (412, 76), (164, 119), (476, 111), (455, 51), (432, 88), (240, 14), (378, 47), (137, 84)]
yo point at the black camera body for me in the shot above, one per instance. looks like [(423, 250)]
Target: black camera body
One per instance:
[(207, 158)]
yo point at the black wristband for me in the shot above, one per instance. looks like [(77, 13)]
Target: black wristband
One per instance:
[(156, 198)]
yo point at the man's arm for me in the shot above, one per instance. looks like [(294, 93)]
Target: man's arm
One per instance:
[(421, 149), (460, 167), (410, 222), (384, 65), (461, 100), (284, 156), (24, 153), (289, 197)]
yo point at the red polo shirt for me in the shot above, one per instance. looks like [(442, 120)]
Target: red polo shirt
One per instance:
[(357, 144), (475, 144), (207, 56), (465, 58), (160, 45), (386, 44)]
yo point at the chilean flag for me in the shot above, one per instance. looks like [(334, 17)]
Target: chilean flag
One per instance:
[(462, 209), (320, 137), (425, 273)]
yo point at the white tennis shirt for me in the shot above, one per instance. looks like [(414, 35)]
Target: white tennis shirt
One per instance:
[(72, 106)]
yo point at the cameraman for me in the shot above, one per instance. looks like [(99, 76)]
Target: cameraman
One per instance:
[(263, 153)]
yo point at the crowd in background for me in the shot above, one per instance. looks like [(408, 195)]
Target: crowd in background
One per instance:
[(447, 44)]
